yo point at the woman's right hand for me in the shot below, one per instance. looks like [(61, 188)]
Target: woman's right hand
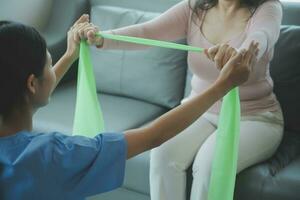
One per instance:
[(92, 38), (88, 32)]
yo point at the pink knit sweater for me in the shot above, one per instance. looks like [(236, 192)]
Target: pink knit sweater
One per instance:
[(176, 23)]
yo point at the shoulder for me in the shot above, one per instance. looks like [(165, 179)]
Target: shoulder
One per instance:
[(270, 6), (57, 140), (186, 6), (194, 11), (76, 142)]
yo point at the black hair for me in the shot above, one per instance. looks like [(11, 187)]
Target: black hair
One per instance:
[(23, 51), (207, 4)]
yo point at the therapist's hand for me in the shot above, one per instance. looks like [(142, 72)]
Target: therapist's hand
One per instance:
[(74, 37)]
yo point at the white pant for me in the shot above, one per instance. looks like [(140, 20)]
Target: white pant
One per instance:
[(260, 135)]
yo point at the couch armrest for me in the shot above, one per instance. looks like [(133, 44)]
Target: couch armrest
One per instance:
[(63, 14)]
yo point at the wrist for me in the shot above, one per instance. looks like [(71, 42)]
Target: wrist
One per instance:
[(69, 57), (221, 87)]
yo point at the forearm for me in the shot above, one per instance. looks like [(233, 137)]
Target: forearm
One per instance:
[(261, 38), (62, 66), (170, 26), (173, 122)]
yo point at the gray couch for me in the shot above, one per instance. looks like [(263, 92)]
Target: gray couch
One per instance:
[(135, 87)]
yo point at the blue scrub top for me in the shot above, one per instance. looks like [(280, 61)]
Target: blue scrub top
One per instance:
[(57, 166)]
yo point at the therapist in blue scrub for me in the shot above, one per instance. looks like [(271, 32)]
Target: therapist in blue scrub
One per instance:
[(57, 166)]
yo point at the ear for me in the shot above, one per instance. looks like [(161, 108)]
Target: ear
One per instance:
[(32, 84)]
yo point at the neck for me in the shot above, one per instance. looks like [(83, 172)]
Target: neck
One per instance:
[(228, 6), (19, 120)]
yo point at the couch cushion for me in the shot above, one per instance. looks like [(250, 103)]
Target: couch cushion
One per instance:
[(285, 71), (156, 75), (275, 179), (291, 13), (119, 113)]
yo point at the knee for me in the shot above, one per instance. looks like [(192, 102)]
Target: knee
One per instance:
[(165, 158), (202, 167)]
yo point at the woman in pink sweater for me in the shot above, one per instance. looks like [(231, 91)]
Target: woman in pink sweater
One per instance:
[(207, 23)]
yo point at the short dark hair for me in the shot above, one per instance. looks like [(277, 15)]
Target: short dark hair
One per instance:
[(23, 51)]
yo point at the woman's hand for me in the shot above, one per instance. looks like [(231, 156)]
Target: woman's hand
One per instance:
[(74, 36), (90, 35), (220, 54), (236, 71), (87, 31)]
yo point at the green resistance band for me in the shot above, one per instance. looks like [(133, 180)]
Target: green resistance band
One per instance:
[(149, 42), (88, 119), (224, 165)]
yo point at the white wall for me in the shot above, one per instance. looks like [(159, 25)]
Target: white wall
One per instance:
[(32, 12)]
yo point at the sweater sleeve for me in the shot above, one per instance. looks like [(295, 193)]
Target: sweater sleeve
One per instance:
[(169, 26), (265, 27)]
